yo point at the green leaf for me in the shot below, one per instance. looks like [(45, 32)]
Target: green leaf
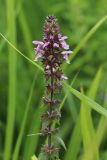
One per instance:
[(61, 142), (86, 38), (98, 137), (32, 62), (95, 84), (87, 100), (71, 105), (89, 34), (12, 80), (74, 143), (21, 133), (87, 127), (32, 141), (42, 156), (102, 126), (34, 158), (26, 32)]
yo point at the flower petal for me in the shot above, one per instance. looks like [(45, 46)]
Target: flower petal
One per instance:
[(39, 55), (37, 49), (64, 45), (66, 58), (46, 44), (56, 45), (51, 36), (63, 38), (37, 42), (66, 52), (63, 77), (59, 36)]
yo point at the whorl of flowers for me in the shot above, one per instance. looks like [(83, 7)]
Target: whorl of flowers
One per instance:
[(52, 51)]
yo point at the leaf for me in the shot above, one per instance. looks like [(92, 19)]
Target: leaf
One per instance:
[(72, 108), (74, 142), (61, 142), (34, 158), (87, 130), (12, 80), (42, 156), (36, 134), (87, 127), (94, 85), (32, 141), (35, 64), (98, 137), (21, 132), (26, 32), (86, 38), (89, 34), (87, 100)]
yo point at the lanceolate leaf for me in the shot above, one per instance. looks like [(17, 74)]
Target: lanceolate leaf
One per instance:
[(87, 37), (32, 62), (87, 127), (61, 142), (74, 143), (87, 100)]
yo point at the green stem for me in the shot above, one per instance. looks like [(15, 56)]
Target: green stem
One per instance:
[(50, 110)]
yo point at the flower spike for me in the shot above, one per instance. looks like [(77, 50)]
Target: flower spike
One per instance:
[(52, 51)]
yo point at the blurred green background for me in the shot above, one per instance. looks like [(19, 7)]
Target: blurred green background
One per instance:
[(22, 83)]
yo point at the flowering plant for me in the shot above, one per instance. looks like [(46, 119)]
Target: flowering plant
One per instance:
[(52, 51)]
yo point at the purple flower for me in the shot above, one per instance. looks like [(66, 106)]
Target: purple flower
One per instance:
[(51, 36), (64, 44), (39, 55), (63, 77), (53, 41), (66, 58), (59, 35), (62, 37), (38, 49), (46, 44), (56, 45), (52, 51), (62, 41), (38, 43), (65, 55), (66, 52)]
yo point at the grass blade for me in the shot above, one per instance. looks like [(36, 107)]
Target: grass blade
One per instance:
[(87, 100), (21, 133), (96, 141), (18, 8), (26, 33), (32, 62), (87, 128), (86, 38), (32, 141), (12, 81), (74, 143), (34, 158), (72, 109)]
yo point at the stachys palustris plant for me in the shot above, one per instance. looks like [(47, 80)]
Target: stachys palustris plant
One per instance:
[(52, 51)]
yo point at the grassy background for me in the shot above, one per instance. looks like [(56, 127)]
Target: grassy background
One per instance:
[(22, 83)]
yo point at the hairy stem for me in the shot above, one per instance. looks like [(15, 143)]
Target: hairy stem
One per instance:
[(50, 108)]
